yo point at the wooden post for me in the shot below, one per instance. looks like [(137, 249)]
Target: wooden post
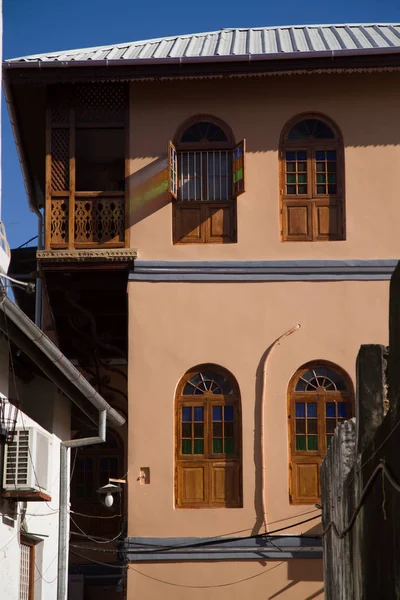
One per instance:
[(47, 209), (71, 207), (127, 170)]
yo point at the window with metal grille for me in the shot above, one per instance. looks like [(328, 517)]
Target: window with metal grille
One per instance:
[(26, 588), (206, 176)]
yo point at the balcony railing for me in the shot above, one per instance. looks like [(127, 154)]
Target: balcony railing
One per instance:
[(87, 220)]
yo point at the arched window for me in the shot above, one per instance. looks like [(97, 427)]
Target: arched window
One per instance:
[(207, 173), (320, 396), (91, 468), (208, 439), (312, 180)]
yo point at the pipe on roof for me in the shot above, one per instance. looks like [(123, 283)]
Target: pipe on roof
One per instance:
[(36, 335)]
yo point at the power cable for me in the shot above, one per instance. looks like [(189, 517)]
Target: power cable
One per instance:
[(204, 587), (180, 585), (381, 467), (202, 544), (94, 538)]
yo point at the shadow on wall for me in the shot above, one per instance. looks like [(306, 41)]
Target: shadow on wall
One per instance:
[(259, 108), (297, 573)]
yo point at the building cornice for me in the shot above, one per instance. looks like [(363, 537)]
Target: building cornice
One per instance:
[(139, 549), (87, 255), (263, 270)]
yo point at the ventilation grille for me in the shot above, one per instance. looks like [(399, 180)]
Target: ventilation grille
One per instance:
[(27, 461), (17, 467)]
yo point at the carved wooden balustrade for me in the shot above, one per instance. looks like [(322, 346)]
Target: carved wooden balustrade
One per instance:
[(98, 220), (85, 152)]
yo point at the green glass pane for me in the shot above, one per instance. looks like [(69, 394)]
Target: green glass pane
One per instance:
[(321, 178), (301, 166), (320, 166), (290, 167), (291, 189), (328, 440), (186, 446), (198, 447), (290, 178), (302, 177), (229, 446), (300, 442), (312, 442), (217, 446), (332, 178)]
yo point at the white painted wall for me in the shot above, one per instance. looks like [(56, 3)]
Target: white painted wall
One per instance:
[(38, 518)]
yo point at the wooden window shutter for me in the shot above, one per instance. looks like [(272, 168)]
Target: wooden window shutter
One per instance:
[(305, 488), (172, 171), (238, 169)]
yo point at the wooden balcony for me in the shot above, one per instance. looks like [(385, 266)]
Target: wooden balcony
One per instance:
[(86, 220)]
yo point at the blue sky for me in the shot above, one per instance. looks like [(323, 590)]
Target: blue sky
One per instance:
[(34, 26)]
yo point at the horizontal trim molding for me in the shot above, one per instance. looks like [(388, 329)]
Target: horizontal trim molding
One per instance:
[(263, 270), (139, 549)]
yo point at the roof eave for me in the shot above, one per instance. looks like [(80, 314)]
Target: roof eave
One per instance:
[(54, 356), (8, 94), (48, 64)]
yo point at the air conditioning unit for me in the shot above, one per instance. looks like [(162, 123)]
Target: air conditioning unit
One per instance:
[(27, 465)]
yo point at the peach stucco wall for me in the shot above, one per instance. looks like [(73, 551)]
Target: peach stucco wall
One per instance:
[(264, 580), (175, 326), (365, 108)]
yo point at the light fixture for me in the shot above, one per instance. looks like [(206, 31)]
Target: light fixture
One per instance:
[(107, 492)]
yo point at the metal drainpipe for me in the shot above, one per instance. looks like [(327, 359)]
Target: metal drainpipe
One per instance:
[(63, 527)]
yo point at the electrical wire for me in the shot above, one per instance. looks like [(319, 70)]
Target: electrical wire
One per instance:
[(180, 585), (93, 538), (73, 466), (381, 467), (73, 512), (203, 543), (389, 435), (26, 243), (204, 587), (97, 562)]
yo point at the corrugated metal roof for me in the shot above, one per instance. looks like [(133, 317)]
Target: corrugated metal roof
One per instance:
[(258, 41)]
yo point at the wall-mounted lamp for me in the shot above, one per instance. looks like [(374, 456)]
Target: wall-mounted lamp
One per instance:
[(107, 493)]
